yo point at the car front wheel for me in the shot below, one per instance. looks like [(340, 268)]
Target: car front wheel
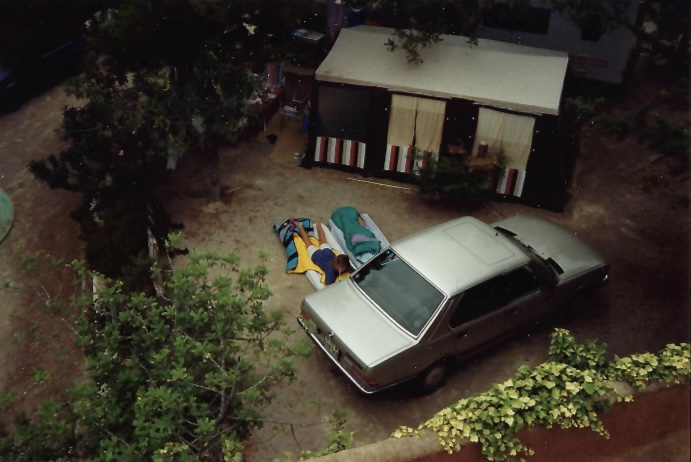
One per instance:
[(433, 377)]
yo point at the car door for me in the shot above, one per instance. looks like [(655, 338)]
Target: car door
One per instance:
[(528, 296), (478, 316), (493, 308)]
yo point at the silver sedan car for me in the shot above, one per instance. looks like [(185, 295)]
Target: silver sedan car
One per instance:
[(442, 294)]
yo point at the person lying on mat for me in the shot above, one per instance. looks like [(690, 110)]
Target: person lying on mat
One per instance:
[(334, 266), (359, 240)]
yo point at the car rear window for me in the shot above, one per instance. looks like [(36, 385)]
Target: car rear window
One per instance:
[(399, 291)]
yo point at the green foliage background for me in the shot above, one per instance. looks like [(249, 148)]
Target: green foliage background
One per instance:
[(568, 390), (184, 376)]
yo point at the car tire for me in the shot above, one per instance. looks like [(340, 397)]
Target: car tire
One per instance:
[(433, 377)]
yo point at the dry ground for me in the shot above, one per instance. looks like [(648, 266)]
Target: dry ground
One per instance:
[(624, 202)]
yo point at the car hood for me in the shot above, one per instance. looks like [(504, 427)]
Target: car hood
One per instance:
[(551, 242), (369, 335)]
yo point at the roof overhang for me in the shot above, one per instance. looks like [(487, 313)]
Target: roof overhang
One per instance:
[(500, 74)]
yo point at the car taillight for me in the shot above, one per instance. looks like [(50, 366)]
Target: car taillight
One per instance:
[(303, 313), (357, 370)]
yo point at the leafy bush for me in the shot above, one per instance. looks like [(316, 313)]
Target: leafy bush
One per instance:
[(338, 438), (668, 138), (183, 376), (614, 125), (581, 109), (661, 135), (670, 365), (564, 349), (449, 179), (568, 390)]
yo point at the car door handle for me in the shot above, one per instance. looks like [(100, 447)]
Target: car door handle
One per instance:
[(462, 334)]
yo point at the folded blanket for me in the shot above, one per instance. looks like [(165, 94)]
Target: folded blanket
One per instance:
[(358, 239), (285, 230), (299, 260), (303, 262)]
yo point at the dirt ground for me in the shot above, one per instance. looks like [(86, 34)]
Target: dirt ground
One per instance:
[(625, 202)]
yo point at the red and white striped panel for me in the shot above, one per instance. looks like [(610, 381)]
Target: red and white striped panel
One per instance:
[(334, 148), (422, 162), (398, 158), (320, 149), (510, 182), (340, 151)]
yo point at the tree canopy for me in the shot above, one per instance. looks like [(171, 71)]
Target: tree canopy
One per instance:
[(420, 23), (183, 376), (164, 78)]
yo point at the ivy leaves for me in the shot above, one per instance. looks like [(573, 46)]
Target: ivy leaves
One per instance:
[(566, 391)]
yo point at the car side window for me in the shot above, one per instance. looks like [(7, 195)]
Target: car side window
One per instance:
[(521, 282), (491, 295)]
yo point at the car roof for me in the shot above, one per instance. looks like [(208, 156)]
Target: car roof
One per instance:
[(460, 253)]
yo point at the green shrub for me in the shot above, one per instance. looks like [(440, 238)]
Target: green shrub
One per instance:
[(449, 179), (566, 391), (581, 109), (180, 376), (614, 125), (668, 138)]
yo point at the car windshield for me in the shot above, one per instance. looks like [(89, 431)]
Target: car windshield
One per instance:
[(399, 291)]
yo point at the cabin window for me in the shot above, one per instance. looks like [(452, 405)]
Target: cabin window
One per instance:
[(416, 122), (402, 120), (510, 134)]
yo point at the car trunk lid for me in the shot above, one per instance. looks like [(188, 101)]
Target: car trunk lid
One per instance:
[(560, 248), (368, 335)]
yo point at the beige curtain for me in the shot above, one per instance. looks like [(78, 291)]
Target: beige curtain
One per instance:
[(490, 126), (402, 120), (517, 139), (510, 132), (429, 124)]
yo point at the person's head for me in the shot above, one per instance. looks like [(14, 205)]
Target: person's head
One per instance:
[(341, 264)]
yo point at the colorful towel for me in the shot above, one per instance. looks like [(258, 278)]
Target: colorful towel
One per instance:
[(273, 75), (359, 239), (285, 230), (299, 260), (303, 262)]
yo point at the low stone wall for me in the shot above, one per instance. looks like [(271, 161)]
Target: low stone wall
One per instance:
[(655, 413), (390, 450)]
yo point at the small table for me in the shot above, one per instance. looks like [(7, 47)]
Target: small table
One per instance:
[(488, 162)]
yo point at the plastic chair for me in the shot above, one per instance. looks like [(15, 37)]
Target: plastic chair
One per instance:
[(294, 108)]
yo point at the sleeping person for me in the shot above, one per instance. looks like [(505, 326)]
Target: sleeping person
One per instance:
[(335, 267), (359, 239)]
